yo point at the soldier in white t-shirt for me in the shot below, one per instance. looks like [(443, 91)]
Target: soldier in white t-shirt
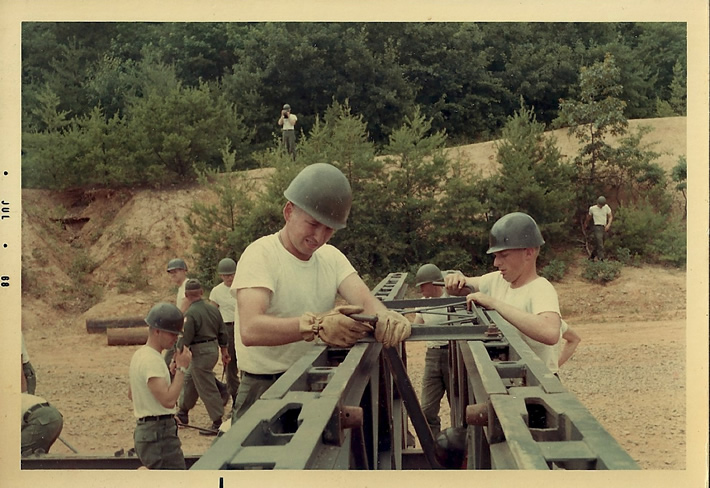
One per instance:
[(528, 301), (286, 285), (154, 393), (602, 217), (223, 299), (287, 121)]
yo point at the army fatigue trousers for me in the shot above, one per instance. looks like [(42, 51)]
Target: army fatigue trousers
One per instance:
[(434, 384), (157, 444), (41, 426), (200, 381)]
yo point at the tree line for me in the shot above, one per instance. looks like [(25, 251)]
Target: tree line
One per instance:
[(123, 104)]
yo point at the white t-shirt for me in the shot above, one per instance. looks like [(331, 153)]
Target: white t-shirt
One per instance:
[(296, 287), (147, 363), (599, 214), (180, 294), (222, 296), (535, 297), (289, 122)]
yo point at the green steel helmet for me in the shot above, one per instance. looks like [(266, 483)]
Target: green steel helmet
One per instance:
[(601, 200), (428, 273), (165, 316), (176, 263), (515, 230), (324, 193), (226, 266)]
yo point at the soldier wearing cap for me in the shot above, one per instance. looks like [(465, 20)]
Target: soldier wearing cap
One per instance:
[(154, 393), (286, 285), (435, 382), (206, 335), (602, 216), (226, 303), (287, 121), (528, 301)]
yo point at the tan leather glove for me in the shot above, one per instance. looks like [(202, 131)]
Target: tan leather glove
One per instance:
[(392, 328), (334, 328)]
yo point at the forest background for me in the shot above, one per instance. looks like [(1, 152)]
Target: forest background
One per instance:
[(120, 105)]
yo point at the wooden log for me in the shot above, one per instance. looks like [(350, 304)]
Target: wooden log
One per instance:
[(127, 337), (94, 326)]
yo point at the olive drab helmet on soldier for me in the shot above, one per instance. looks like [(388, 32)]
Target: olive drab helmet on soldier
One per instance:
[(323, 192), (515, 230), (226, 266), (166, 317), (428, 273), (176, 263)]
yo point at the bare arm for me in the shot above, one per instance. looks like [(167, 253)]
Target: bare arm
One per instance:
[(572, 340), (356, 292), (609, 218), (256, 328), (167, 394), (543, 327)]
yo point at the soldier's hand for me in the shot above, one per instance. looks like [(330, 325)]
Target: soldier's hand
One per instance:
[(183, 357), (335, 327), (455, 284), (392, 328), (226, 358)]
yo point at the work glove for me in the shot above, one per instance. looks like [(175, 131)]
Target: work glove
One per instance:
[(334, 328), (392, 328)]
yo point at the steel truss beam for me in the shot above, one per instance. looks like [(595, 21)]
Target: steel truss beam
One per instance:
[(348, 409)]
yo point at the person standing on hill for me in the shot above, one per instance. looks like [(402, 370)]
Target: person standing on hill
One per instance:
[(602, 215), (206, 336), (223, 299), (528, 301), (435, 382), (286, 285), (154, 393), (287, 121)]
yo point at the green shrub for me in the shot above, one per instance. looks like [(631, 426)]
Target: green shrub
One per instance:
[(670, 246), (654, 237), (601, 271), (625, 257), (555, 270)]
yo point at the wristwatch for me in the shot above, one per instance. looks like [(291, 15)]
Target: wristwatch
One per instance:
[(183, 369)]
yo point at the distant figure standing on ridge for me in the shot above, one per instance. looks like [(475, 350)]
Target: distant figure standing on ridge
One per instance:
[(287, 121), (601, 213)]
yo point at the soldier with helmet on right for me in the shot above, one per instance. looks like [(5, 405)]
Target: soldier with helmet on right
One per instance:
[(528, 301)]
